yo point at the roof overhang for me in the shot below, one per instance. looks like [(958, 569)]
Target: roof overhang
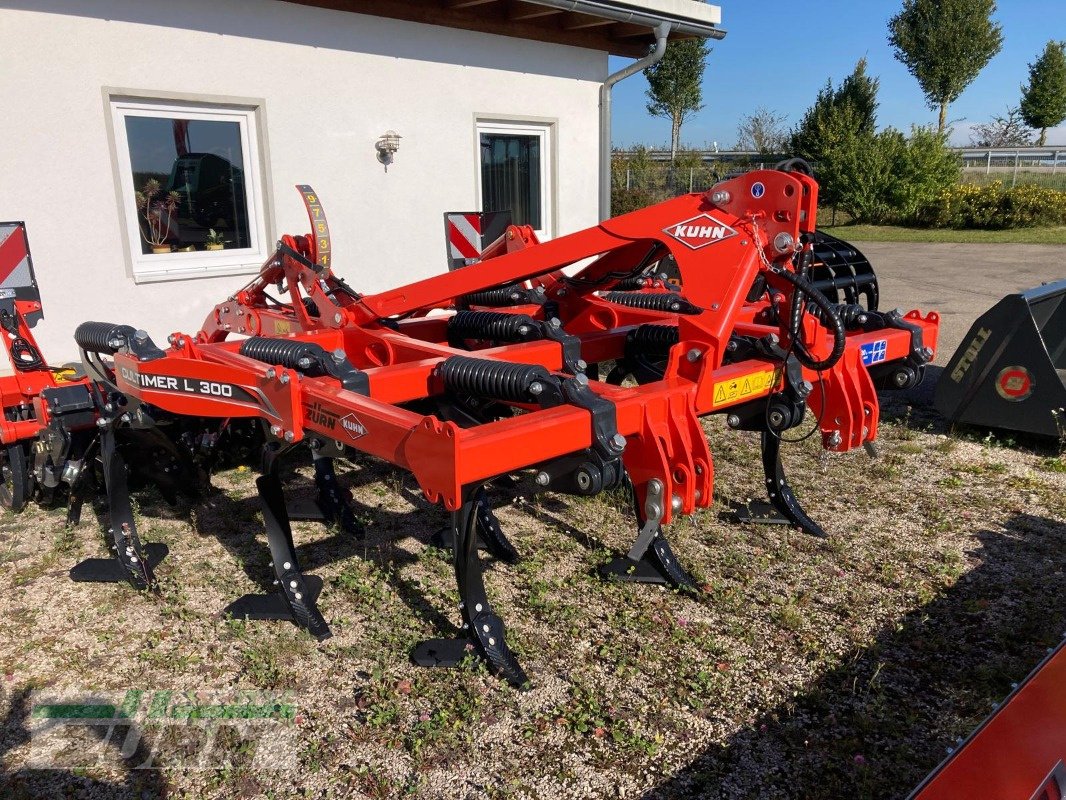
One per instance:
[(620, 27)]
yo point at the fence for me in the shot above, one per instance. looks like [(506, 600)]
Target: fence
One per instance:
[(642, 177)]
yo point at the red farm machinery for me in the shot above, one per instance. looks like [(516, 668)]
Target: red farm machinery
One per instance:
[(585, 364)]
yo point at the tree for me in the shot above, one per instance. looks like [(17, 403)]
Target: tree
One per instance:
[(1008, 131), (764, 131), (1044, 99), (853, 105), (944, 44), (674, 85)]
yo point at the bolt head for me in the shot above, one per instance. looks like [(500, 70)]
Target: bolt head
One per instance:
[(271, 372), (733, 421), (676, 503), (693, 355), (582, 379), (275, 430), (339, 355), (536, 388), (555, 321), (284, 378), (619, 441), (337, 318), (582, 364), (542, 479), (289, 436), (655, 486), (720, 197)]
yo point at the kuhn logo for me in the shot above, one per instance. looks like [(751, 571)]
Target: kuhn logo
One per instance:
[(700, 231), (353, 426)]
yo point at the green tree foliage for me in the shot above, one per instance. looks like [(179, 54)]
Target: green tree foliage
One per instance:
[(838, 116), (945, 44), (1044, 98), (889, 177), (850, 107), (674, 85)]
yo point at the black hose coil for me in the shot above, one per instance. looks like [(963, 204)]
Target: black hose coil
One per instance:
[(96, 337), (497, 326), (499, 380), (829, 318)]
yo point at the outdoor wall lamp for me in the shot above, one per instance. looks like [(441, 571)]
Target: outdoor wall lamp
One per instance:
[(387, 145)]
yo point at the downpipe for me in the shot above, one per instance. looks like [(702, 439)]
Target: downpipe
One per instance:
[(662, 33)]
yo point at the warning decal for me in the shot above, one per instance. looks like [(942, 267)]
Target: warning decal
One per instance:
[(737, 389)]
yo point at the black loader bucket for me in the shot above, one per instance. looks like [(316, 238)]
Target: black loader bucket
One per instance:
[(1010, 371)]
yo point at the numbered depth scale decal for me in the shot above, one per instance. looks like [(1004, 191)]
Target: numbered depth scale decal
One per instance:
[(319, 226)]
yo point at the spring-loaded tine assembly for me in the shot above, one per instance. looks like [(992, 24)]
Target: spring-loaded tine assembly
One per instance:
[(483, 631), (332, 505), (297, 594), (780, 493), (490, 536), (132, 561), (650, 559)]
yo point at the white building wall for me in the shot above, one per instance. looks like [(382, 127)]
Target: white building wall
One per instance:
[(332, 83)]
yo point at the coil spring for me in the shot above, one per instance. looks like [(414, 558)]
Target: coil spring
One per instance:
[(96, 337), (630, 284), (503, 296), (499, 380), (651, 301), (851, 315), (497, 326), (282, 352), (654, 338)]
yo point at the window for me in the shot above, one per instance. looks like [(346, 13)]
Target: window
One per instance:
[(516, 172), (191, 188)]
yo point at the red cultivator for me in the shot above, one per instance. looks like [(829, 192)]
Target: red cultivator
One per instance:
[(504, 366)]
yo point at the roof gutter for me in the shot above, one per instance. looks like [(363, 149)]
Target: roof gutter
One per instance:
[(621, 12)]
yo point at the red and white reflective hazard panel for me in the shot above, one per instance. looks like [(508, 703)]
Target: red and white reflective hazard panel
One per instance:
[(464, 236), (15, 269)]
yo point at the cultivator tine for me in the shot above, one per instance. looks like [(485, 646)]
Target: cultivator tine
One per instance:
[(483, 630), (490, 535), (650, 559), (297, 595), (335, 502), (780, 492), (132, 561)]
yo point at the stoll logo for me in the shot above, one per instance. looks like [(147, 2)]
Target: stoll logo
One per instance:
[(700, 231)]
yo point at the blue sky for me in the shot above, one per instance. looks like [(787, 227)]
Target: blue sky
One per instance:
[(778, 54)]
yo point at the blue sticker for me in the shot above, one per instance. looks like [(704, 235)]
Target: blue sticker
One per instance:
[(874, 352), (757, 190)]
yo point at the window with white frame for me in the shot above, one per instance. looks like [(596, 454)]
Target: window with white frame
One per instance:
[(515, 161), (192, 193)]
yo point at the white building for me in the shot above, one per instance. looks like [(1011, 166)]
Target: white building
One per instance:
[(232, 102)]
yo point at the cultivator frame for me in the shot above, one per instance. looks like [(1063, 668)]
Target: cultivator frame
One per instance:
[(493, 369)]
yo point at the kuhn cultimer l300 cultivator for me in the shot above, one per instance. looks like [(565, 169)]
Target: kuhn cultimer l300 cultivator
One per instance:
[(518, 362)]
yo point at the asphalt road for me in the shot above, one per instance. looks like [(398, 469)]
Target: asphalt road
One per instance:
[(959, 281)]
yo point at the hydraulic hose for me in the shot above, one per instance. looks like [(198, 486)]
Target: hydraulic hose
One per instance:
[(828, 317)]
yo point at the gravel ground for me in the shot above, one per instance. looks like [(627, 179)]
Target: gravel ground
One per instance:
[(806, 668)]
